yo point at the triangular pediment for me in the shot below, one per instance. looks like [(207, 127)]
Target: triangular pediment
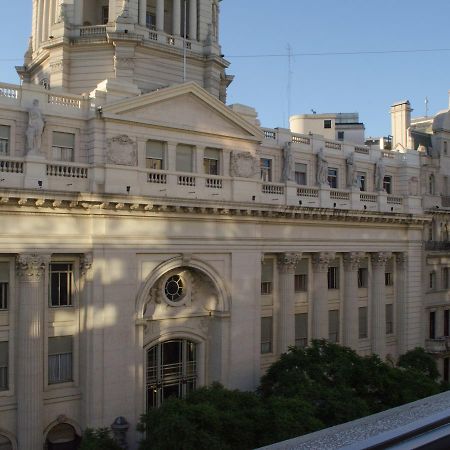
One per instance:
[(184, 107)]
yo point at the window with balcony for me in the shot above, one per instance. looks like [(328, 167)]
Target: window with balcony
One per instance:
[(266, 169), (60, 359), (333, 178), (333, 326), (155, 155), (4, 363), (333, 277), (361, 181), (4, 286), (184, 158), (432, 325), (327, 123), (389, 319), (61, 284), (266, 335), (266, 277), (387, 184), (105, 14), (301, 177), (362, 322), (5, 136), (301, 330), (211, 161), (63, 146)]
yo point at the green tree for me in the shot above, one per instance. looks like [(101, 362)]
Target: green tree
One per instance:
[(99, 439), (418, 359)]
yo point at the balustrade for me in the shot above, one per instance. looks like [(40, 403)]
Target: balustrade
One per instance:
[(11, 166), (184, 180), (67, 171), (156, 177), (95, 30), (339, 195), (394, 200), (272, 189), (333, 145), (307, 192), (269, 134), (369, 198), (214, 183), (64, 100), (362, 150), (301, 140), (9, 92)]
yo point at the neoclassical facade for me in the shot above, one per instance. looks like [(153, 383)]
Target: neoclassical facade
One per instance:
[(155, 240)]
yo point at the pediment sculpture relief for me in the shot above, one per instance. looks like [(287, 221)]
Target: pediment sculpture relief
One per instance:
[(244, 165), (122, 151)]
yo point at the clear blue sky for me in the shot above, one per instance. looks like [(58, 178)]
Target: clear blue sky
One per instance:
[(366, 83)]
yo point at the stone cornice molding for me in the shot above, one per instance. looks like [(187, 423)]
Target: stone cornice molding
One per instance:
[(352, 261), (287, 262), (380, 259), (31, 266), (322, 260)]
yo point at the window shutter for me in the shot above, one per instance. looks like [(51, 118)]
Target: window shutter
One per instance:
[(155, 149), (4, 132), (63, 139), (61, 344), (212, 153), (184, 158), (4, 272), (302, 267), (267, 271), (299, 167)]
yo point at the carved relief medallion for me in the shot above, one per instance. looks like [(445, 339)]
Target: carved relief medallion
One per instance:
[(122, 151), (243, 165)]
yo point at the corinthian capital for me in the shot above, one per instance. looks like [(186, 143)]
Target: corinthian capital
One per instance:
[(380, 259), (31, 266), (86, 263), (401, 259), (322, 260), (352, 260), (288, 261)]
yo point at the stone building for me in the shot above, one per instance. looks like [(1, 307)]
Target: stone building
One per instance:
[(155, 240)]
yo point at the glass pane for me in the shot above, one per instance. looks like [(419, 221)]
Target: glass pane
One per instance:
[(171, 391), (63, 286), (301, 329), (212, 153), (267, 271), (184, 158), (362, 322), (54, 281), (4, 271), (60, 344), (4, 354), (266, 329), (155, 149), (4, 131), (63, 139)]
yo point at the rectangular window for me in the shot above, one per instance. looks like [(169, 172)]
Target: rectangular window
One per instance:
[(301, 282), (211, 161), (266, 335), (333, 277), (4, 360), (4, 285), (301, 330), (105, 15), (432, 325), (340, 135), (301, 174), (362, 320), (445, 278), (266, 277), (266, 169), (389, 319), (446, 322), (154, 158), (387, 184), (432, 280), (327, 123), (150, 20), (333, 178), (5, 137), (388, 279), (361, 181), (184, 158), (61, 280), (63, 146), (362, 277), (333, 326), (60, 359)]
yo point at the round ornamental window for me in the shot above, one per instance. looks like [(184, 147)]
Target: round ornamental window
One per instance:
[(174, 288)]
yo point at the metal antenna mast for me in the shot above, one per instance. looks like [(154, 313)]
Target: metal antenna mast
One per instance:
[(426, 106), (184, 42)]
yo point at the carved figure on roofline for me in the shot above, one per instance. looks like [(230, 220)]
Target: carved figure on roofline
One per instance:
[(322, 169), (36, 124), (352, 180), (288, 163), (379, 175)]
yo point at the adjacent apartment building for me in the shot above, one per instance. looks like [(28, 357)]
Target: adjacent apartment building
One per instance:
[(154, 239)]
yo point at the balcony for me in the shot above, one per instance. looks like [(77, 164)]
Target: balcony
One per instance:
[(439, 345)]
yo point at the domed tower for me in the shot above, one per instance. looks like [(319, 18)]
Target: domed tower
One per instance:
[(151, 44)]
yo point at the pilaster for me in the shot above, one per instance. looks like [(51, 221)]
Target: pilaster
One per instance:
[(176, 24), (160, 15), (401, 282), (193, 20)]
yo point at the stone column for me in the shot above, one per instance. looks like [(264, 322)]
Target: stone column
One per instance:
[(160, 15), (176, 23), (143, 12), (319, 306), (351, 322), (378, 314), (401, 281), (286, 311), (30, 348), (193, 20)]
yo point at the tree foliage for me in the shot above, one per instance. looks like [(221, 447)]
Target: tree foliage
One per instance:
[(421, 361), (99, 439)]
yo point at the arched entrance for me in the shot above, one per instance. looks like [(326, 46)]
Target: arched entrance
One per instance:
[(171, 370), (62, 437), (5, 443)]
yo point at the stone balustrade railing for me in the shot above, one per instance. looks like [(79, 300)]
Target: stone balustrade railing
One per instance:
[(94, 30), (67, 171), (8, 165), (439, 345)]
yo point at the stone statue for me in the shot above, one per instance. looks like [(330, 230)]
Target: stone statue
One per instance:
[(288, 163), (352, 180), (36, 124), (379, 175), (124, 16), (322, 169)]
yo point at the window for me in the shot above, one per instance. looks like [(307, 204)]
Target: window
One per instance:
[(361, 181), (5, 132), (4, 285), (446, 321), (431, 185), (301, 330), (266, 277), (301, 276), (362, 320), (4, 360), (150, 20), (266, 335), (211, 161), (389, 319), (61, 279), (171, 371), (432, 325), (362, 277), (154, 159), (184, 158), (333, 178), (63, 146), (301, 174), (387, 184), (327, 123), (266, 169), (333, 277), (105, 15), (60, 359), (333, 326), (432, 280), (388, 279), (340, 136), (445, 278)]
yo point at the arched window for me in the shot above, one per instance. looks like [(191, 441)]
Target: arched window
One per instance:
[(431, 185), (171, 370), (62, 437), (5, 443)]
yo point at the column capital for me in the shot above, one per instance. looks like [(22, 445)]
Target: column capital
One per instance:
[(352, 260), (288, 261), (86, 263), (31, 266), (379, 259), (321, 261), (401, 259)]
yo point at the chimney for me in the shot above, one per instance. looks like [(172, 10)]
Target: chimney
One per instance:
[(400, 122)]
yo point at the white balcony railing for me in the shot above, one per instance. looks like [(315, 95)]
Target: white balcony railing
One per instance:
[(308, 192), (274, 189), (439, 345), (66, 171), (339, 195), (301, 139), (11, 166), (184, 180), (94, 30), (157, 178), (394, 200), (368, 198), (9, 91), (333, 145), (213, 183)]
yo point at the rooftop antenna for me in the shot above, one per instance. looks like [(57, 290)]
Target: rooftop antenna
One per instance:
[(184, 42), (426, 106), (289, 86)]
